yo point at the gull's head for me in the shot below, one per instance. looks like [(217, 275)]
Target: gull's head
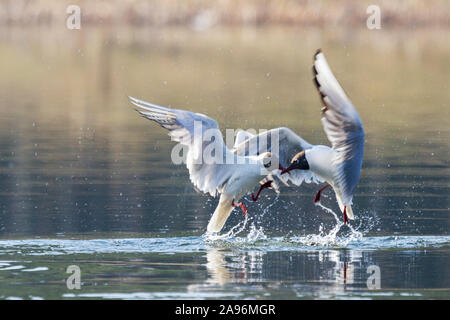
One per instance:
[(268, 161), (265, 159), (298, 162)]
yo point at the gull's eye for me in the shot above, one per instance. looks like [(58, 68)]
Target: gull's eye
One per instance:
[(267, 164)]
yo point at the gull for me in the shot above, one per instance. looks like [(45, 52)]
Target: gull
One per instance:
[(339, 165), (230, 175)]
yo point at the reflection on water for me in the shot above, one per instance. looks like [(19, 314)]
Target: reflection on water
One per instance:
[(189, 268), (79, 167), (338, 272)]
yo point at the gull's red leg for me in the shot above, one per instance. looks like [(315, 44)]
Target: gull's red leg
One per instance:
[(345, 272), (317, 197), (345, 215), (244, 209), (261, 188), (240, 204)]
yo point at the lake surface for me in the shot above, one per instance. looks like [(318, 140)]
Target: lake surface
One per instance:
[(85, 181)]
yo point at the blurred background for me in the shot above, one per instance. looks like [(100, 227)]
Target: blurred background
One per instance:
[(75, 158)]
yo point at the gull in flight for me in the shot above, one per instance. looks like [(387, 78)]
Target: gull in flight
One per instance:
[(339, 165), (229, 174)]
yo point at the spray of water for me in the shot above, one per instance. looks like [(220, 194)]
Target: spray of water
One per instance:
[(340, 235), (330, 238), (256, 233), (237, 229)]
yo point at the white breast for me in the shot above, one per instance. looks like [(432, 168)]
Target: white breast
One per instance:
[(320, 160), (243, 180)]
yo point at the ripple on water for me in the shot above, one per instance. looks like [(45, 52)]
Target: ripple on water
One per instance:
[(202, 244)]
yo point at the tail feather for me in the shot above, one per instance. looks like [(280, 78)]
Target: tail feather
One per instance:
[(349, 210), (221, 214)]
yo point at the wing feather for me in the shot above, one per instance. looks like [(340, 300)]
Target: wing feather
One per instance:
[(206, 177), (284, 144), (342, 126)]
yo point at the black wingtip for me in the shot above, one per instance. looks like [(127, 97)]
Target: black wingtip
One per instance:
[(317, 52), (316, 82)]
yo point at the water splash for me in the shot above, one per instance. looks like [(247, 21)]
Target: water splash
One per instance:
[(330, 238), (255, 232), (339, 224), (234, 231)]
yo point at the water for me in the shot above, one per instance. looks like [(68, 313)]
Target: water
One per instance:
[(193, 268), (84, 181)]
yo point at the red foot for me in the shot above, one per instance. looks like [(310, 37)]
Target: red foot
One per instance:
[(240, 204), (345, 215), (345, 272), (261, 188), (319, 193)]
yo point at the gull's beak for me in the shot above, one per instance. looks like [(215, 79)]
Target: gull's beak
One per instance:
[(298, 162), (286, 170)]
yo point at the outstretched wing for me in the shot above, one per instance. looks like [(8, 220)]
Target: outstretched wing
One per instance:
[(284, 144), (242, 136), (342, 126), (190, 129)]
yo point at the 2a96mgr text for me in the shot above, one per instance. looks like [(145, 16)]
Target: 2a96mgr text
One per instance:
[(227, 309)]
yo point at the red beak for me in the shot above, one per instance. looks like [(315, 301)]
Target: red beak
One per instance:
[(283, 169)]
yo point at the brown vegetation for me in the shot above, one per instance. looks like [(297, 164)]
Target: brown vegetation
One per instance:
[(206, 13)]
